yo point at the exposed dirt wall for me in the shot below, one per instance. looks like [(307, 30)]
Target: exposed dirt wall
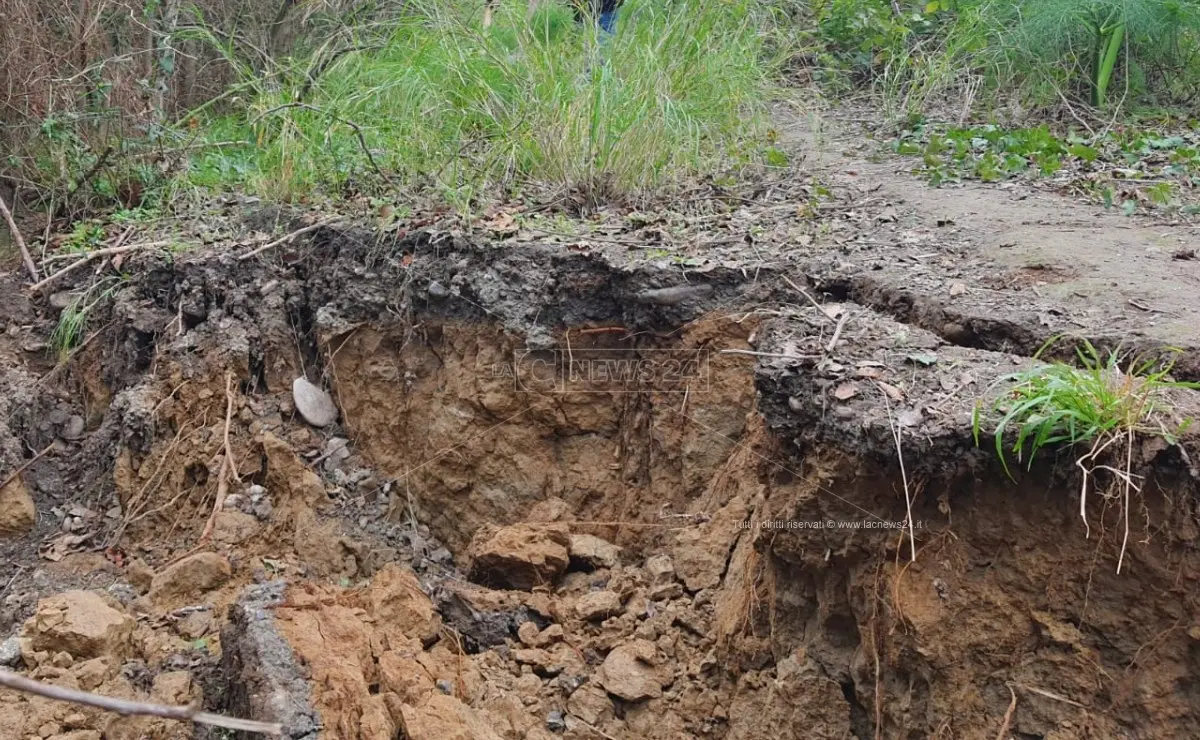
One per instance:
[(471, 549)]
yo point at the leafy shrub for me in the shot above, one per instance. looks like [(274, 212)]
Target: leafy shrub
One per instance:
[(1093, 42)]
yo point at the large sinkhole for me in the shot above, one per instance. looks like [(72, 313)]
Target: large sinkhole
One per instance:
[(549, 493)]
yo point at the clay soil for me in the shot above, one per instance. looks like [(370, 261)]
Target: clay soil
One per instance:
[(504, 534)]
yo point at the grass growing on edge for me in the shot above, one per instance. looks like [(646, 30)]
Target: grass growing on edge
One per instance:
[(680, 90), (69, 331), (1095, 402)]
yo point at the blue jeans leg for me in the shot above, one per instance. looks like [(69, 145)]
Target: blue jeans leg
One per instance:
[(608, 22)]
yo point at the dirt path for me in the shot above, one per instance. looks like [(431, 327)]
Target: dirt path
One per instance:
[(1039, 261)]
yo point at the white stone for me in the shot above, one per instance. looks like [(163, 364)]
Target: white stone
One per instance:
[(313, 403)]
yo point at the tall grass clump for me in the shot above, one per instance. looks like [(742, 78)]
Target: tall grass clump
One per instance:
[(950, 57), (1088, 46), (682, 88)]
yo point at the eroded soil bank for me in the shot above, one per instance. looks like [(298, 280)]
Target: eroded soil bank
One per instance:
[(480, 544)]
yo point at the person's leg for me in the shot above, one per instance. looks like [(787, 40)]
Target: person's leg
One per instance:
[(608, 22)]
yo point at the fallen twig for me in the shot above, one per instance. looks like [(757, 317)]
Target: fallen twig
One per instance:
[(20, 240), (1050, 695), (1007, 723), (804, 293), (97, 254), (769, 354), (837, 333), (896, 435), (21, 468), (287, 238), (126, 708), (228, 466)]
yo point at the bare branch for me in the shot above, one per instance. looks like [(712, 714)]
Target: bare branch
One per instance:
[(125, 708), (287, 238), (97, 254), (228, 465), (20, 240), (13, 475)]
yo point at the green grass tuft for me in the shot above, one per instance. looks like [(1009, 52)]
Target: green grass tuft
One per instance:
[(1062, 404)]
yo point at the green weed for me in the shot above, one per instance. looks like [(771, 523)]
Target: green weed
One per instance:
[(84, 237), (1153, 169), (1094, 403), (72, 322), (1062, 404), (966, 54)]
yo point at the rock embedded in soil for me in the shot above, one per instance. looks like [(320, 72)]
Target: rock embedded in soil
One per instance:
[(702, 553), (62, 299), (17, 511), (591, 704), (10, 652), (74, 428), (628, 672), (593, 552), (400, 608), (313, 403), (190, 577), (139, 575), (522, 556), (661, 569), (598, 605), (443, 717), (84, 624)]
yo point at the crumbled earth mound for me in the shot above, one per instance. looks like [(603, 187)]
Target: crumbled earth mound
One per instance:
[(418, 486)]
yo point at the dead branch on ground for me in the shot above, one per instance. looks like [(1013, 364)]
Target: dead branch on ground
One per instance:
[(21, 468), (287, 238), (20, 240), (95, 255), (126, 708)]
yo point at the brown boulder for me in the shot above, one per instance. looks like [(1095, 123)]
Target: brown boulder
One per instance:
[(443, 717), (404, 676), (522, 556), (628, 672), (139, 575), (17, 512), (401, 609), (82, 623), (594, 552), (189, 578), (598, 605), (591, 704)]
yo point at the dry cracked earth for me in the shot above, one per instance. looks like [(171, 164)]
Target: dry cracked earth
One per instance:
[(430, 480)]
